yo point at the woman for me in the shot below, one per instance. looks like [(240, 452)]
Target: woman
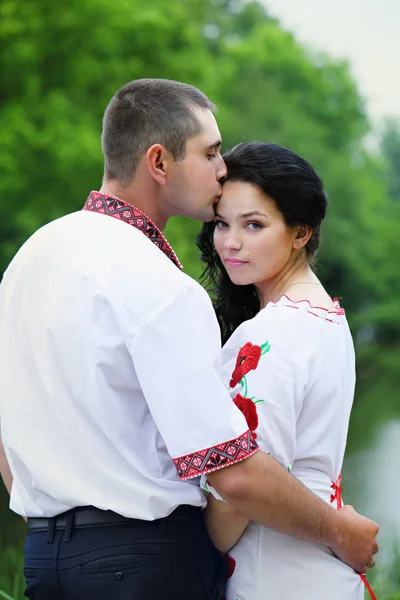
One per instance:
[(288, 359)]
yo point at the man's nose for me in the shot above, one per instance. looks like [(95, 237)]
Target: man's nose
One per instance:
[(222, 171)]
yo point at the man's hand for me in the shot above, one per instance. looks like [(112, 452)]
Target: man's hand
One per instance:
[(357, 543), (263, 490)]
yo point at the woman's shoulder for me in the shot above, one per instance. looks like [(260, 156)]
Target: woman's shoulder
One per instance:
[(302, 308), (296, 312), (287, 323), (314, 293), (274, 324)]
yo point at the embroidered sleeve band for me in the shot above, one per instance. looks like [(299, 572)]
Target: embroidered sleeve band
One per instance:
[(220, 456)]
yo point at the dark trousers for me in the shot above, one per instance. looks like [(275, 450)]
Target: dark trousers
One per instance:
[(167, 559)]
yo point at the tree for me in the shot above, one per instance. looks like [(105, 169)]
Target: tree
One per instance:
[(390, 146), (60, 65)]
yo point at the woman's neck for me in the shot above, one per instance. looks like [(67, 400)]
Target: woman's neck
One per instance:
[(272, 289)]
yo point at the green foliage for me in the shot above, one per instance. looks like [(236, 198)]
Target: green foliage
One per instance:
[(385, 581), (59, 66), (12, 582), (57, 78), (391, 150), (5, 596), (58, 75)]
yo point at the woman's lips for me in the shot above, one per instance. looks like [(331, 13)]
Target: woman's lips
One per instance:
[(235, 262)]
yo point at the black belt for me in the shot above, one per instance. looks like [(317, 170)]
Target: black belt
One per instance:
[(89, 516)]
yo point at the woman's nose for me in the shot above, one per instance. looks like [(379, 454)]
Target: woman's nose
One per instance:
[(232, 242)]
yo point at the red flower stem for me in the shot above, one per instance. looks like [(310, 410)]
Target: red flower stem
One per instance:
[(244, 385)]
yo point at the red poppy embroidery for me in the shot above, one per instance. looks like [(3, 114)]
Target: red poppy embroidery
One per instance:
[(247, 360), (248, 408), (230, 566)]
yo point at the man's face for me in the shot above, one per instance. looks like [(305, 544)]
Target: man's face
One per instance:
[(194, 184)]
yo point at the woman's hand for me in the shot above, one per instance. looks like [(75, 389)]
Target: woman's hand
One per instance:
[(225, 525)]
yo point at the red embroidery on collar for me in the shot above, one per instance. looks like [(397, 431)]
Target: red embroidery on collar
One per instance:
[(119, 209)]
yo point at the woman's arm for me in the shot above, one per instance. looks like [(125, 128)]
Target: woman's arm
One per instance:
[(225, 525)]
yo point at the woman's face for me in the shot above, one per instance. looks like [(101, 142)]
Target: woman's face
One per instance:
[(251, 237)]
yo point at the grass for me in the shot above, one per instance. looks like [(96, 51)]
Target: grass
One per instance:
[(5, 596), (12, 582)]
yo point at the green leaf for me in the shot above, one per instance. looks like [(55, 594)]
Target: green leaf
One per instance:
[(265, 348)]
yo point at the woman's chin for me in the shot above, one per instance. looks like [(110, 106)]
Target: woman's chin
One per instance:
[(237, 280)]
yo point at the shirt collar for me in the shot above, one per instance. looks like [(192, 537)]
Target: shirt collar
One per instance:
[(119, 209)]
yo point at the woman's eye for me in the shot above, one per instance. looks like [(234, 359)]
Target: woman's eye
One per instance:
[(254, 226), (211, 156), (220, 225)]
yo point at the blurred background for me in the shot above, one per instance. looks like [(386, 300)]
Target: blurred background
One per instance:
[(319, 77)]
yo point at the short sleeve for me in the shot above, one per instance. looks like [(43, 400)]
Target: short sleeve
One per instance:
[(269, 377), (176, 354)]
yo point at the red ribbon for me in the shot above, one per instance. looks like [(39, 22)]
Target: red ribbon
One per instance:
[(369, 588), (337, 487), (338, 491)]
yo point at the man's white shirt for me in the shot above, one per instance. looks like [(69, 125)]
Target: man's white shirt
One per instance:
[(110, 383)]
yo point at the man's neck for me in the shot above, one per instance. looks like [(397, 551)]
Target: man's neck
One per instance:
[(137, 195)]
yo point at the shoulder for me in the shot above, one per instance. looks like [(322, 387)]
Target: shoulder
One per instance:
[(99, 252), (287, 330), (315, 296), (278, 321)]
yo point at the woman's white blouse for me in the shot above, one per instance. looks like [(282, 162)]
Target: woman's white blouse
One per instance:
[(291, 370)]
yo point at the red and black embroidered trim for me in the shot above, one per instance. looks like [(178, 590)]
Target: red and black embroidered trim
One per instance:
[(212, 459), (119, 209)]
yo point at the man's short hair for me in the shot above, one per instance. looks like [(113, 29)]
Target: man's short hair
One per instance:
[(146, 112)]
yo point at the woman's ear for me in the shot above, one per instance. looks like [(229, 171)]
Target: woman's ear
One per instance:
[(303, 234), (157, 162)]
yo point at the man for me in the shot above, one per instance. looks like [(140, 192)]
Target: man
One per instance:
[(111, 400)]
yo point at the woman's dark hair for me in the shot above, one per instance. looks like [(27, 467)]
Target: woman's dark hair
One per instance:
[(300, 197)]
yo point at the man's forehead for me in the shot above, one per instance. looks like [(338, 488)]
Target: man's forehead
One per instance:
[(208, 124)]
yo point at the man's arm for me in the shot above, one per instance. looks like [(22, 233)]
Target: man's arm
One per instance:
[(260, 488), (182, 337), (4, 467)]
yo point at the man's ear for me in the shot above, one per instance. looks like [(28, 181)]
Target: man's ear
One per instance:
[(158, 161), (303, 234)]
